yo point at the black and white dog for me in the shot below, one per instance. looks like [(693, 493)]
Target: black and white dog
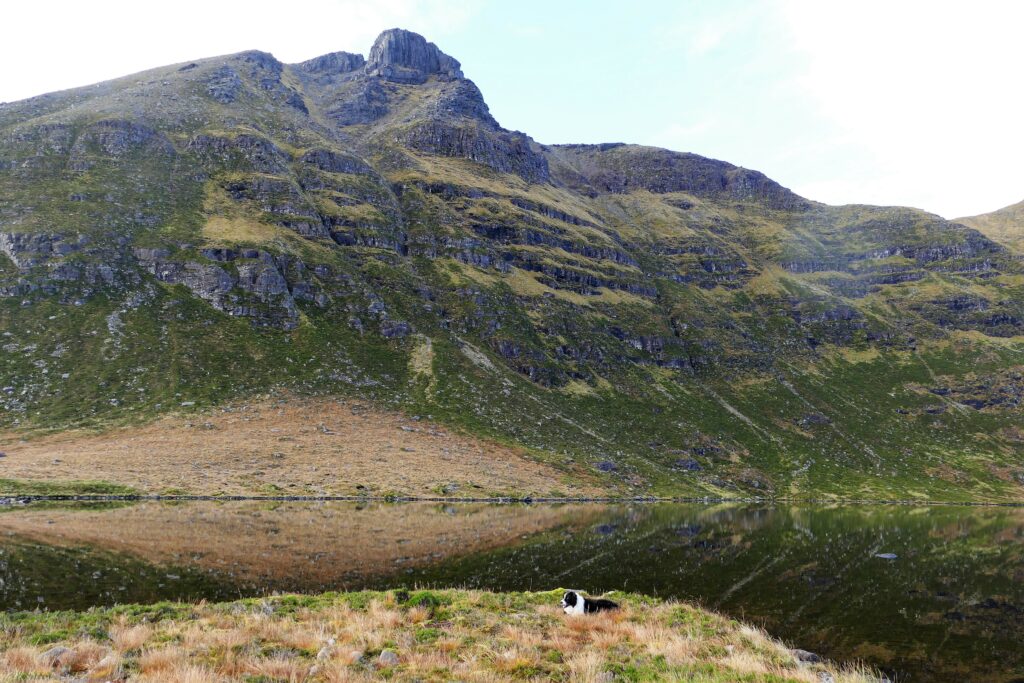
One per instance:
[(574, 603)]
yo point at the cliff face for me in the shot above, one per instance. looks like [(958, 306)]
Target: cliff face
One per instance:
[(236, 224)]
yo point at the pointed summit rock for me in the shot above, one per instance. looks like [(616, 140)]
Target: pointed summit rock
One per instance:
[(402, 56)]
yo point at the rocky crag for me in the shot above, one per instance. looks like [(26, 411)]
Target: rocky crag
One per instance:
[(352, 225)]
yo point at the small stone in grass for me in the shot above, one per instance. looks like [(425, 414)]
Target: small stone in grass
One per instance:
[(387, 658), (55, 656), (805, 656)]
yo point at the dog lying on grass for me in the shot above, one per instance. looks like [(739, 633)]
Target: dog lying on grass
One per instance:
[(574, 603)]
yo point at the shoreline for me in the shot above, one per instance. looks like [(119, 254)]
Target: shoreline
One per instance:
[(309, 448), (12, 499)]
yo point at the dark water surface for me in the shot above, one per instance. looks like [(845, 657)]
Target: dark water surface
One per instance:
[(927, 594)]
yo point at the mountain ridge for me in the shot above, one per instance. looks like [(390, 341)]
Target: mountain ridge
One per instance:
[(1005, 225), (347, 225)]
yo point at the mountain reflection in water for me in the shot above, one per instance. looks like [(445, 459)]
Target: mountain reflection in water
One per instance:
[(930, 593)]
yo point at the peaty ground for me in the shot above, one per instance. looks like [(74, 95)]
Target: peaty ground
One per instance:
[(284, 447)]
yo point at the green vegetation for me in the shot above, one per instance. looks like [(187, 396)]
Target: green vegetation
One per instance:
[(14, 487), (680, 325)]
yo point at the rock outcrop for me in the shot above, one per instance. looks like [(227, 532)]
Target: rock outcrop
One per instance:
[(620, 168), (402, 56), (255, 285), (334, 63)]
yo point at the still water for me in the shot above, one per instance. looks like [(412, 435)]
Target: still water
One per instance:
[(925, 594)]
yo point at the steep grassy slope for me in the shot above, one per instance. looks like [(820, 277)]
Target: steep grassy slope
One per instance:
[(364, 227), (1005, 226)]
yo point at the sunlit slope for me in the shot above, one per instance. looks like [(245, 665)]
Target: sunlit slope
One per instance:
[(1005, 226)]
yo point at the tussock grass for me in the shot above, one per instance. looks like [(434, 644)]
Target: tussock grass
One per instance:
[(436, 636)]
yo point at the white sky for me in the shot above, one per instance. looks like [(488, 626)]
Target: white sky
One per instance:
[(897, 102), (932, 91)]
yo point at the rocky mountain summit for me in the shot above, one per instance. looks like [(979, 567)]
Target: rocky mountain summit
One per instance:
[(352, 225), (405, 57)]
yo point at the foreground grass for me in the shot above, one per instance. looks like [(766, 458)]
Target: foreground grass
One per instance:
[(423, 635)]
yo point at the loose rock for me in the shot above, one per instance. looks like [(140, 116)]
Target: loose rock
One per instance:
[(806, 657), (56, 656)]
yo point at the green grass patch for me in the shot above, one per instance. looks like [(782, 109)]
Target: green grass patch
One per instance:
[(24, 487)]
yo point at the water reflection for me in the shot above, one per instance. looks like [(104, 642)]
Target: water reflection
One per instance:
[(931, 593), (247, 548)]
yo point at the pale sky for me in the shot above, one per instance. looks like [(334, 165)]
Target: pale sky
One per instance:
[(911, 102)]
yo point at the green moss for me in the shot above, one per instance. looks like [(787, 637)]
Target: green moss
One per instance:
[(16, 487)]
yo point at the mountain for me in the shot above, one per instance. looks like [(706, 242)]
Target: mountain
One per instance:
[(1005, 226), (350, 226)]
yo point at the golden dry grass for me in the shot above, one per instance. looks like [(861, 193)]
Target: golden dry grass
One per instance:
[(451, 635), (300, 447)]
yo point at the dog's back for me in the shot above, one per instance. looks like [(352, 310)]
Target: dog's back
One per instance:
[(600, 605)]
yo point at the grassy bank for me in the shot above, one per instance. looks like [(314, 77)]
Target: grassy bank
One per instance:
[(397, 635)]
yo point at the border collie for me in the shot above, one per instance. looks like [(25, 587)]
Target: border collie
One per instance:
[(573, 602)]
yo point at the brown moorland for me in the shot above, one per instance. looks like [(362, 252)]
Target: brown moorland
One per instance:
[(291, 447)]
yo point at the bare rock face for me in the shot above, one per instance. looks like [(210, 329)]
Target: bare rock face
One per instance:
[(503, 151), (27, 249), (619, 168), (118, 137), (402, 56), (365, 103), (333, 63), (254, 286), (244, 150), (46, 261)]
